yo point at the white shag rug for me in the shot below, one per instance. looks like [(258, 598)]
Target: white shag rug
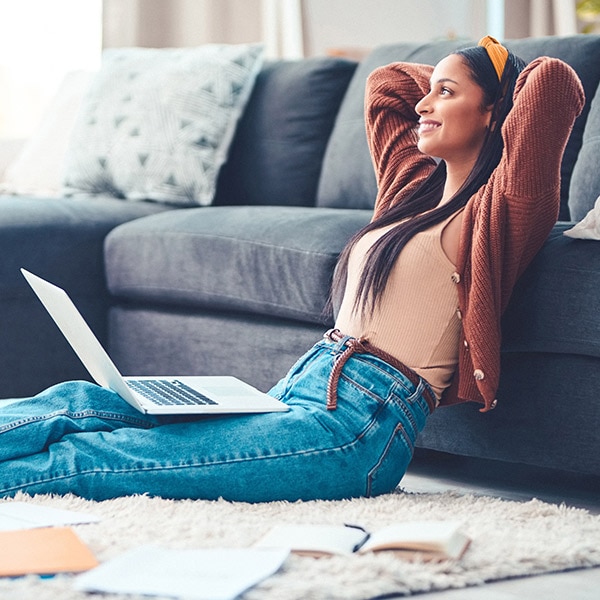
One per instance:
[(510, 539)]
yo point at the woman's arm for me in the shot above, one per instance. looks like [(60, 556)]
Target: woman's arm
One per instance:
[(548, 97), (391, 96)]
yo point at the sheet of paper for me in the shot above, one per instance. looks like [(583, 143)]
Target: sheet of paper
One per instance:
[(201, 574), (27, 515)]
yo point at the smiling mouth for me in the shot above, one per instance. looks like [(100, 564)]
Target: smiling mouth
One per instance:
[(427, 127)]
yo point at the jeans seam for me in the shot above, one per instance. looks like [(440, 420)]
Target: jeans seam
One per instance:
[(77, 415), (399, 429), (363, 390), (402, 405)]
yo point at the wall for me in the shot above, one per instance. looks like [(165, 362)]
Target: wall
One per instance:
[(363, 24)]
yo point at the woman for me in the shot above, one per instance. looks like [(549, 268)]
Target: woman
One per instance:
[(421, 292)]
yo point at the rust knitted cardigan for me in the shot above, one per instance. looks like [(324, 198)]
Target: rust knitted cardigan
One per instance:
[(506, 222)]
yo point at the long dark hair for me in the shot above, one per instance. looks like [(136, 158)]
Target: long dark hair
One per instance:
[(419, 210)]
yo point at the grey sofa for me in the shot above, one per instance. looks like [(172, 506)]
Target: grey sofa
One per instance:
[(239, 287)]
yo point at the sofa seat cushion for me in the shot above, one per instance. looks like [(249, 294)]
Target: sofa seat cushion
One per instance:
[(555, 307), (59, 238), (274, 261)]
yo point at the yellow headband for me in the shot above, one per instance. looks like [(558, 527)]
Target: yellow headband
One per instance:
[(497, 53)]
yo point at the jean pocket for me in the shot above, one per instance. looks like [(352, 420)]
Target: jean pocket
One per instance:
[(385, 475)]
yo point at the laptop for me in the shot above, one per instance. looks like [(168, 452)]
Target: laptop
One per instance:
[(151, 395)]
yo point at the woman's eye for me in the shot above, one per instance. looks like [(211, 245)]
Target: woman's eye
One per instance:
[(445, 91)]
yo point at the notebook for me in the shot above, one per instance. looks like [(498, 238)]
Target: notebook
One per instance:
[(151, 395)]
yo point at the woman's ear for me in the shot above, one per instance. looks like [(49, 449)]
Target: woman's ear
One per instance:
[(488, 111)]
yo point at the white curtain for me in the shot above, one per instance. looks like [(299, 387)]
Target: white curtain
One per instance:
[(180, 23), (283, 31), (552, 17)]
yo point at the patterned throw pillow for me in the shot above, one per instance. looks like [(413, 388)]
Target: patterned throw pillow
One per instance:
[(156, 124)]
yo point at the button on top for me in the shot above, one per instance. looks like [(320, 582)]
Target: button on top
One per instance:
[(455, 277), (459, 314)]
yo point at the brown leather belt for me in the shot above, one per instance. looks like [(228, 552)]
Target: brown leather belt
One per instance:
[(362, 346)]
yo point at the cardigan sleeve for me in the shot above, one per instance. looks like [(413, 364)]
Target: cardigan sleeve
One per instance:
[(391, 121), (548, 97)]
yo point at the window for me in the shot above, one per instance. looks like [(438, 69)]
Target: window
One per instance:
[(40, 42)]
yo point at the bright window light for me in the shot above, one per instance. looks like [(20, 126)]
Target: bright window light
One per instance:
[(40, 42)]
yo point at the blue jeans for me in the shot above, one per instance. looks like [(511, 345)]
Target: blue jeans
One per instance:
[(79, 438)]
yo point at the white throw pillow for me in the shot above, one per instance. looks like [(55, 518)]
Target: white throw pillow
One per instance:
[(157, 124), (589, 227)]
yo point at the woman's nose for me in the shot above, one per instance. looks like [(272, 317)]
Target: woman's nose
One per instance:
[(422, 107)]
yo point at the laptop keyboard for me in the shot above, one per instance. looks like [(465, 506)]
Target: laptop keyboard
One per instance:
[(168, 392)]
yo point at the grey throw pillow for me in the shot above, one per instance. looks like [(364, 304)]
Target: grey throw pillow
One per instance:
[(156, 124)]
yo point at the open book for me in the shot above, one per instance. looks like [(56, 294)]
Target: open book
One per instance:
[(430, 540)]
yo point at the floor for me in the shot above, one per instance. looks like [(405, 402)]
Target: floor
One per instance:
[(437, 472)]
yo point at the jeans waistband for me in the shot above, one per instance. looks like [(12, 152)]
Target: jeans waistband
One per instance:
[(362, 346)]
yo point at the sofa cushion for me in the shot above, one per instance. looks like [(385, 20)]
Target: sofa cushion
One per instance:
[(585, 179), (258, 349), (547, 415), (59, 238), (555, 305), (157, 123), (581, 52), (347, 178), (275, 261), (278, 149)]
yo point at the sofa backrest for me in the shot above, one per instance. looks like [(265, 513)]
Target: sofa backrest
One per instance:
[(585, 180), (277, 152), (347, 178)]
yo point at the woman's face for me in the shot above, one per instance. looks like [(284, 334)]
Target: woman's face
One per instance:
[(453, 120)]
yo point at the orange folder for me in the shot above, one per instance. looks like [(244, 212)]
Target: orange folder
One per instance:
[(43, 551)]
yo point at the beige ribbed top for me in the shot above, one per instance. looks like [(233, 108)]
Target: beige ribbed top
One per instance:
[(417, 319)]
